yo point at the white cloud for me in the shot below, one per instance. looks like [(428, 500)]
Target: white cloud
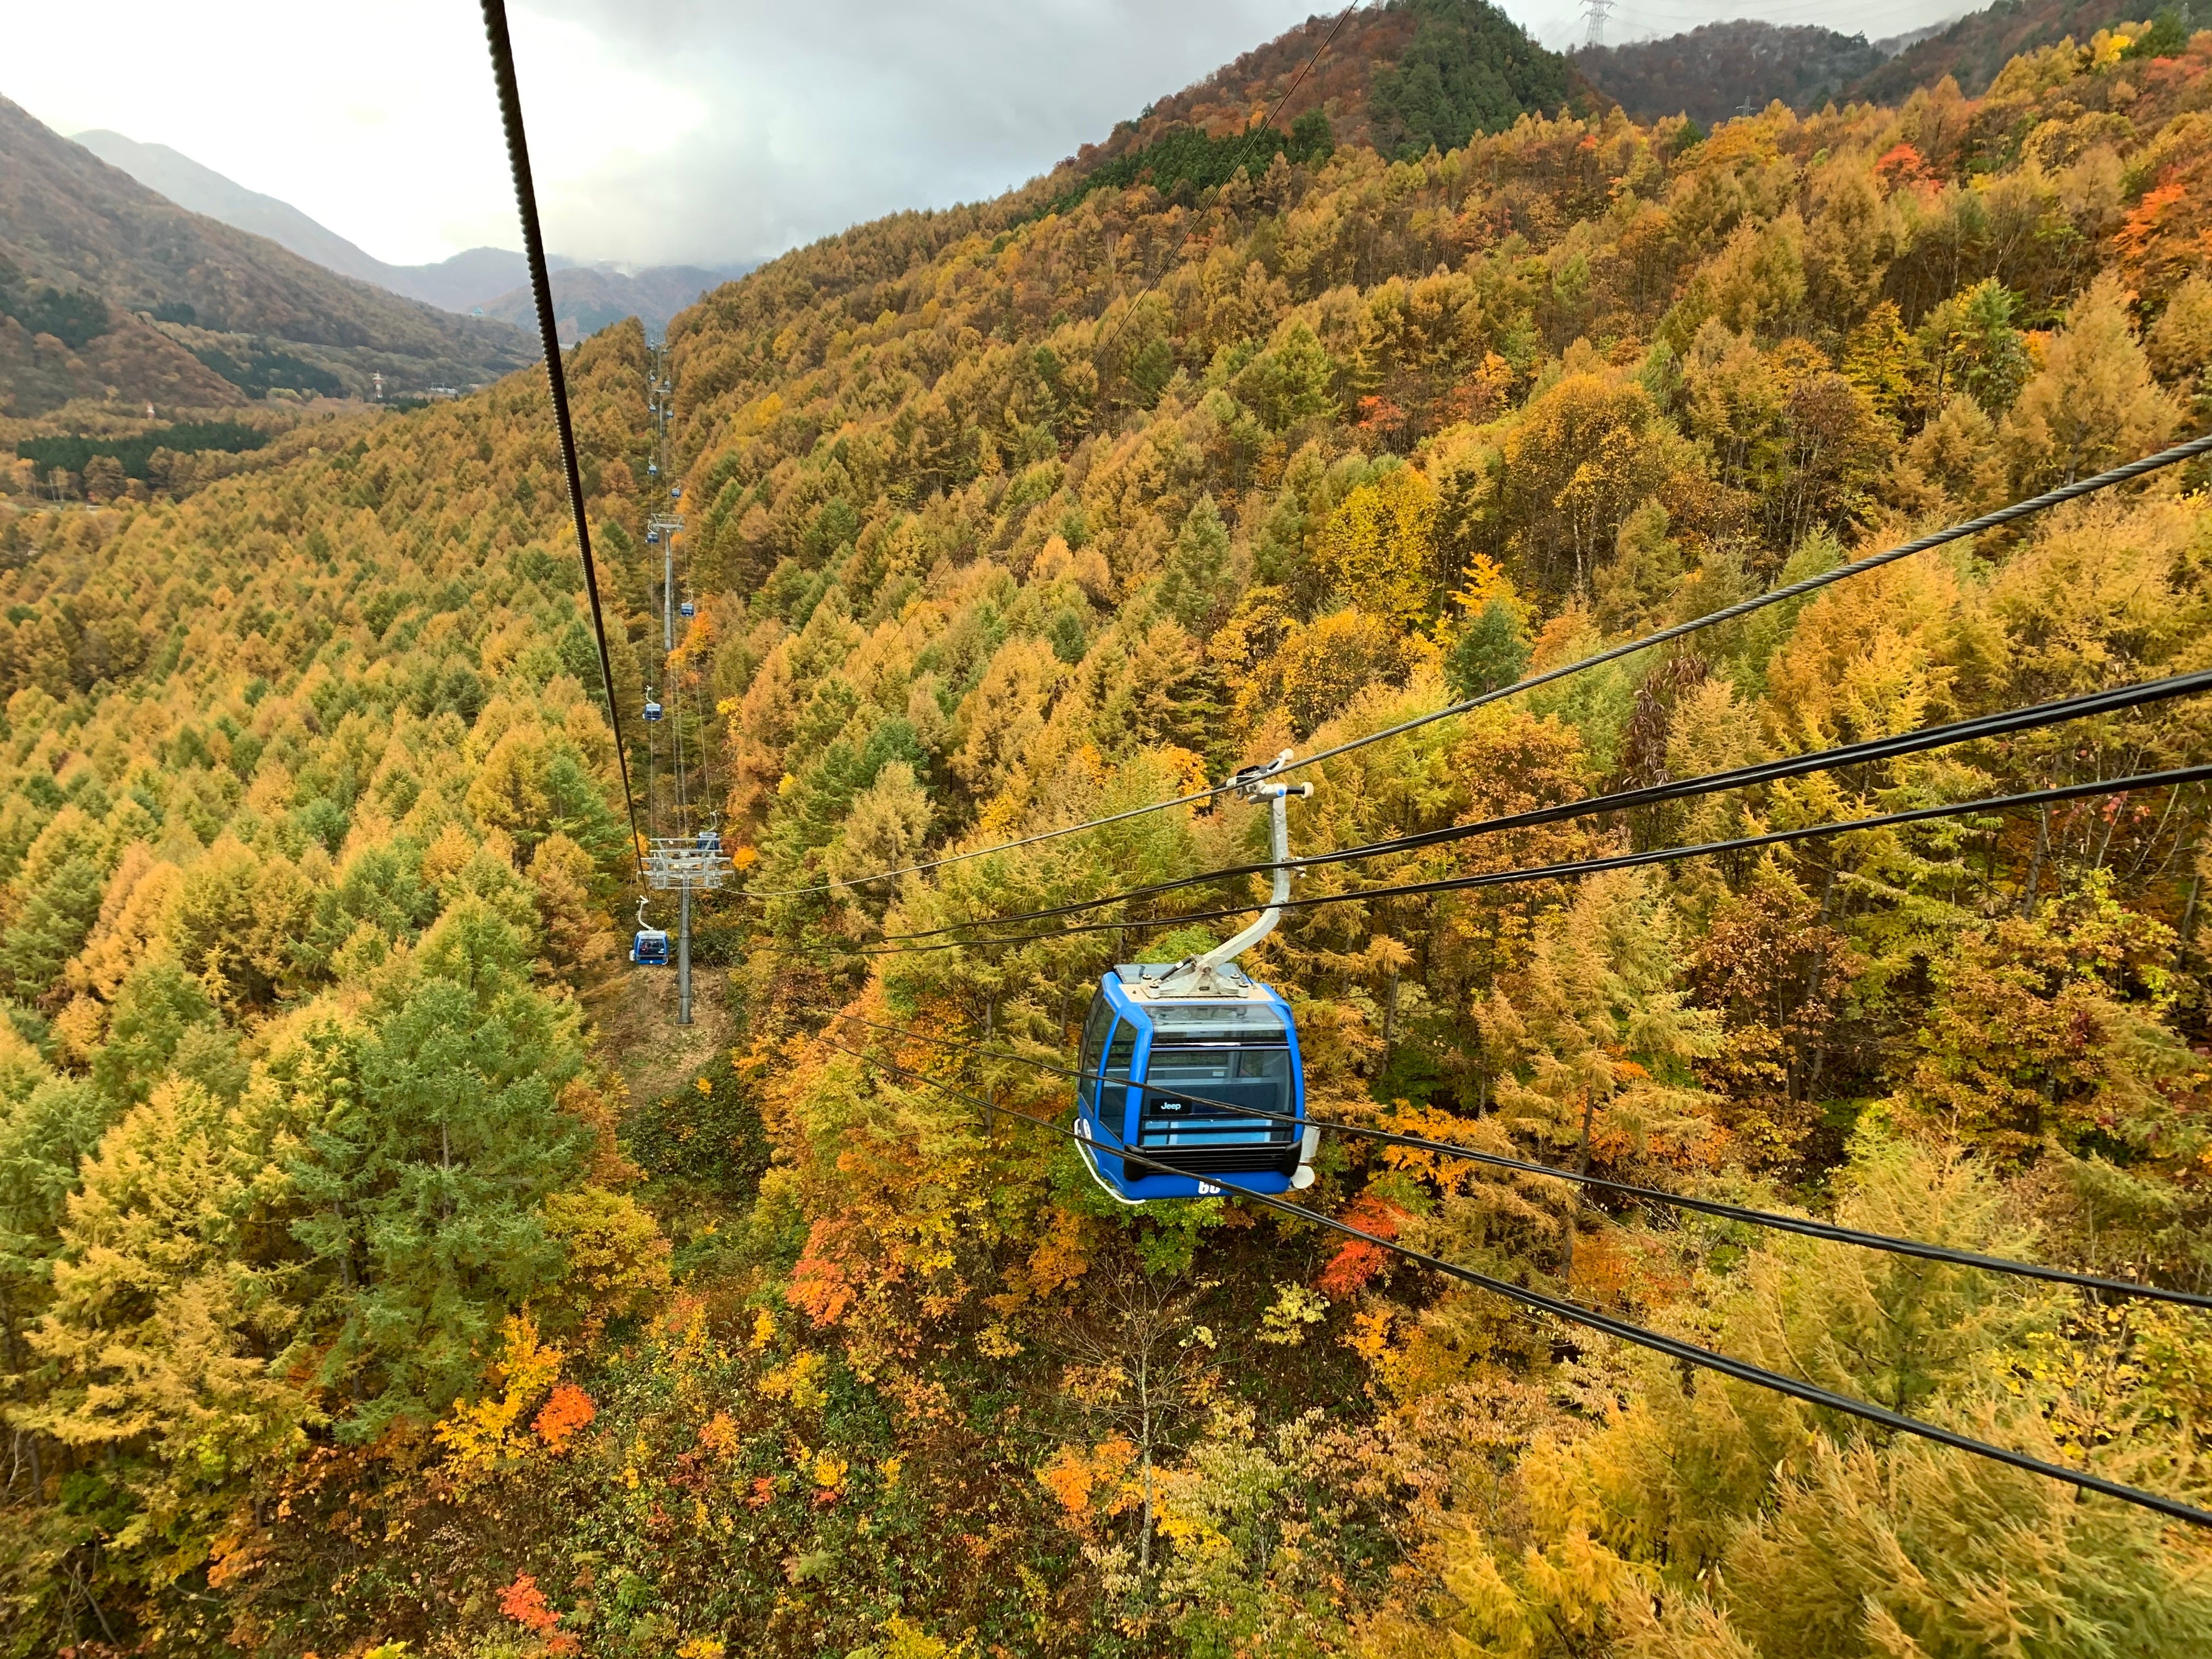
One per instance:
[(663, 131)]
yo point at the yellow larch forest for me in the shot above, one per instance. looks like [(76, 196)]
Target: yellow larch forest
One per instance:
[(354, 1301)]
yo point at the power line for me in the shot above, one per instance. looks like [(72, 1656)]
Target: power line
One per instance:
[(675, 736), (1574, 867), (1993, 519), (1980, 726), (1607, 1324), (541, 287), (707, 752), (1810, 1228)]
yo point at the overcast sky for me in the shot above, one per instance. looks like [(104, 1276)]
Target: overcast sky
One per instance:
[(663, 132)]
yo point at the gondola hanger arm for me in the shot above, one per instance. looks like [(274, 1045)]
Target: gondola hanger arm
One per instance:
[(1200, 975)]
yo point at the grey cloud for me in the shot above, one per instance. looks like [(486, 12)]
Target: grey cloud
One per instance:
[(826, 113), (822, 115)]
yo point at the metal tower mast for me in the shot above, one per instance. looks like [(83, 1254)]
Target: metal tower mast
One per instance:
[(684, 865), (1595, 14)]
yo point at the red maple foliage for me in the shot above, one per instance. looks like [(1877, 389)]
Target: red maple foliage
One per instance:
[(566, 1412), (525, 1603), (1352, 1267)]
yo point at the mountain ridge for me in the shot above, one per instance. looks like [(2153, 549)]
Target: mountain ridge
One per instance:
[(202, 190), (236, 301), (479, 282)]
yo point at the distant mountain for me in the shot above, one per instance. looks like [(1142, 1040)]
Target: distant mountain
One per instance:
[(203, 189), (86, 246), (588, 298), (464, 282), (1735, 68), (484, 281), (457, 284), (1974, 48)]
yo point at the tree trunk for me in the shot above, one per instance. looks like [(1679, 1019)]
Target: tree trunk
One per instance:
[(1575, 1199), (2035, 862), (1144, 1526), (1145, 1446), (345, 1248), (991, 1096)]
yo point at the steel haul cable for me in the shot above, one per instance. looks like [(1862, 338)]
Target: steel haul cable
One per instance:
[(1826, 1231), (1993, 519), (707, 752), (548, 331), (673, 676), (675, 736), (1688, 1354), (1567, 870), (1979, 728)]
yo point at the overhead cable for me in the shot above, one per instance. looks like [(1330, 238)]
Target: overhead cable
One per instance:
[(548, 331), (1993, 519), (1742, 777), (1674, 1348), (1804, 1225), (1571, 868)]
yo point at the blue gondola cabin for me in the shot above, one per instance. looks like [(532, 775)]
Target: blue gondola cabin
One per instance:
[(1236, 1047), (649, 948)]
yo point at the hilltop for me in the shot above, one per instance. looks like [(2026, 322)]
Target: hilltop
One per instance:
[(1734, 67), (1399, 78), (376, 1279), (188, 307)]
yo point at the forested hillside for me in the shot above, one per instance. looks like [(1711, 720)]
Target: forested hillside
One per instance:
[(354, 1306), (1974, 50)]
